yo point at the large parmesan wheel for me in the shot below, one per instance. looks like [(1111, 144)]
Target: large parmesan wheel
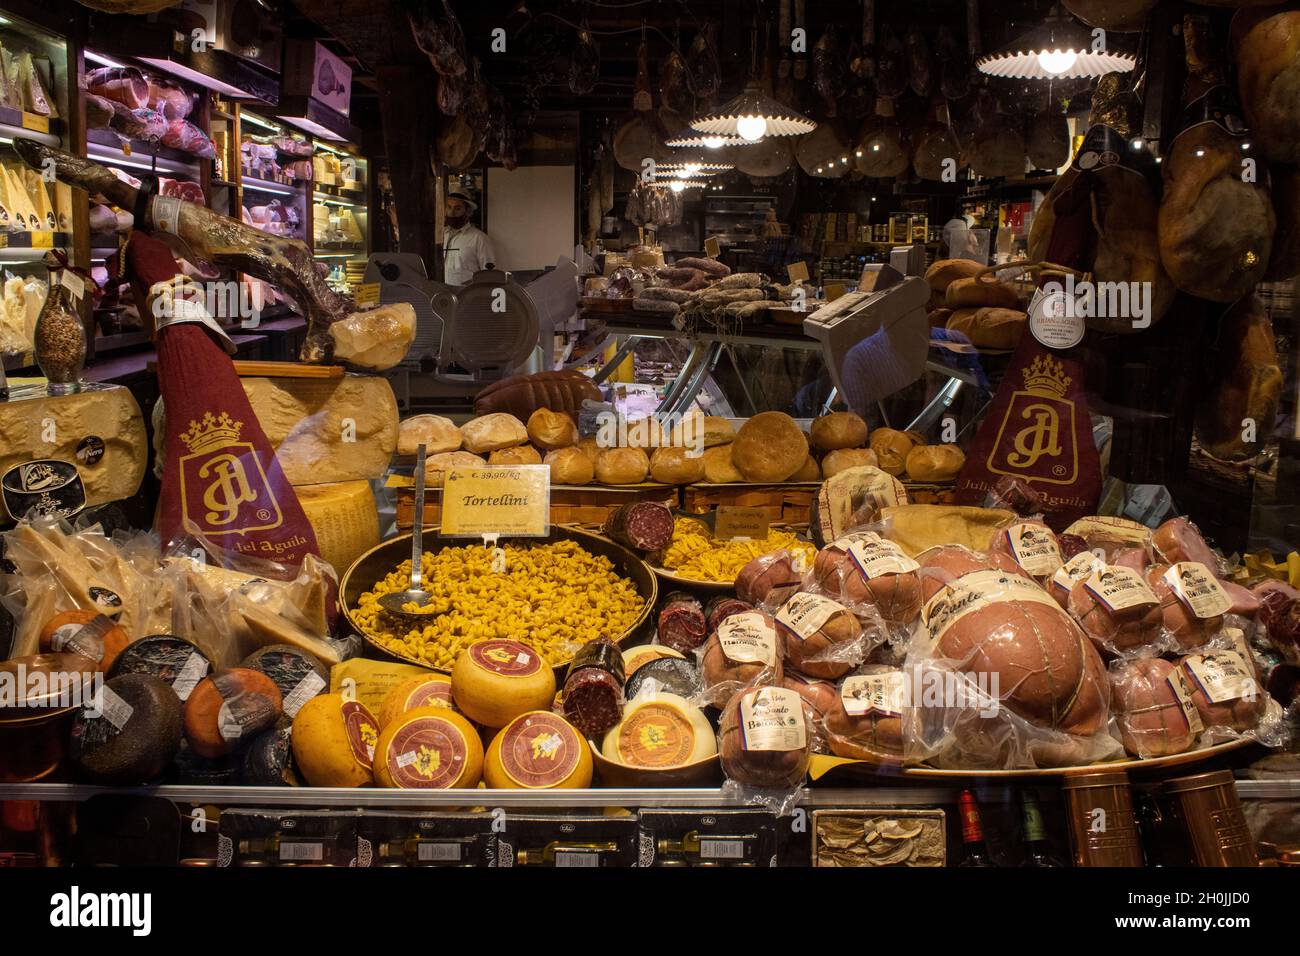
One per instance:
[(431, 748), (538, 751), (334, 741), (494, 682)]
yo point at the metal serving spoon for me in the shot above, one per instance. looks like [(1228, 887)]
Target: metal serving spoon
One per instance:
[(415, 594)]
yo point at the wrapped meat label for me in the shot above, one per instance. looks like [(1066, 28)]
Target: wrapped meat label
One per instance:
[(1183, 693), (882, 694), (803, 615), (1198, 589), (874, 556), (1119, 588), (972, 592), (771, 718), (1223, 676), (1033, 548), (1082, 565), (748, 639)]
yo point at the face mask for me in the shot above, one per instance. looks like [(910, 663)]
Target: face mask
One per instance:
[(455, 222)]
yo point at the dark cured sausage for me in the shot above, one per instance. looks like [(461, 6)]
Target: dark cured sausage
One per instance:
[(642, 525)]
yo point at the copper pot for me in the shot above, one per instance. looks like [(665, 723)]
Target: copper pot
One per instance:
[(35, 722), (1103, 826), (1208, 805)]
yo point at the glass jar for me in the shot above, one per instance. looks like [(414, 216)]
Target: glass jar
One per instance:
[(60, 340)]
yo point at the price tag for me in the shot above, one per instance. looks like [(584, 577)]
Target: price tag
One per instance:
[(797, 271), (834, 290), (44, 239), (366, 294), (75, 285), (712, 248), (507, 500), (126, 149), (735, 522), (36, 122)]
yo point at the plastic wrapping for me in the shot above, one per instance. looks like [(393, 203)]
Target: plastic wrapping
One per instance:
[(863, 568), (825, 638), (681, 623), (769, 579), (1153, 707), (1179, 540), (820, 697), (1192, 603), (765, 743), (1119, 612), (745, 651), (867, 717), (1228, 693), (1109, 535), (1033, 546)]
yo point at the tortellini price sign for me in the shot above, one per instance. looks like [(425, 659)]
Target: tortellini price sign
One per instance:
[(506, 500)]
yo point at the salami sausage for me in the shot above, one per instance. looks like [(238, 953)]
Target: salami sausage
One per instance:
[(641, 526), (682, 625), (642, 304), (593, 691), (665, 294), (708, 266), (722, 607)]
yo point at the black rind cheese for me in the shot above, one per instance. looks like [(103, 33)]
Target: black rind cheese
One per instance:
[(166, 657), (135, 734), (268, 759), (672, 674), (288, 667)]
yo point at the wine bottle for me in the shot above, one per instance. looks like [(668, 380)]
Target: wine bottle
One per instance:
[(1036, 852), (972, 832)]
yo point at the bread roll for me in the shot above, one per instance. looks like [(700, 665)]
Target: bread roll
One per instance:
[(978, 293), (436, 465), (438, 435), (718, 431), (549, 430), (769, 447), (843, 459), (490, 432), (811, 471), (891, 447), (675, 466), (713, 430), (519, 455), (935, 462), (569, 466), (621, 466), (589, 447), (938, 318), (646, 433), (839, 430), (946, 271), (990, 328), (719, 468)]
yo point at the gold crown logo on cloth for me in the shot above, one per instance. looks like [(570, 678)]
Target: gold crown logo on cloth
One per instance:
[(211, 432), (1046, 376)]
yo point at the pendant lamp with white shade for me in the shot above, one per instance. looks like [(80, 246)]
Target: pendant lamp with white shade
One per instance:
[(1058, 49)]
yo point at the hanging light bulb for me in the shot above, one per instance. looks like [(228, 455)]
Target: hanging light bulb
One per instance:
[(714, 142), (1057, 62), (677, 185), (752, 128)]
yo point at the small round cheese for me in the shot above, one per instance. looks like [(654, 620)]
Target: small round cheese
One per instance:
[(494, 682), (538, 751), (660, 732), (334, 742), (431, 748), (422, 690), (636, 657)]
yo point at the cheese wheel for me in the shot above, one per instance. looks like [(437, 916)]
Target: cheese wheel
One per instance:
[(228, 709), (431, 748), (423, 690), (88, 633), (334, 742), (637, 657), (660, 732), (133, 733), (538, 751), (494, 682), (344, 517)]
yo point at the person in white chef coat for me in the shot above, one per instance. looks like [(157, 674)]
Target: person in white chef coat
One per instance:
[(466, 249)]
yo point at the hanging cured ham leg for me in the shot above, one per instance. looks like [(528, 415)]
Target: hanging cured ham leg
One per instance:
[(336, 330)]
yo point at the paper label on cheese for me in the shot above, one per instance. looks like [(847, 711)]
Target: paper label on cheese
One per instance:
[(362, 732), (192, 671), (1034, 548), (1082, 565), (805, 614), (432, 693), (748, 639), (656, 734), (540, 750), (1198, 589), (240, 709), (427, 752), (115, 710), (975, 591), (1183, 695), (882, 693), (1223, 676), (771, 719), (1119, 588), (874, 556), (307, 688), (507, 658), (84, 639)]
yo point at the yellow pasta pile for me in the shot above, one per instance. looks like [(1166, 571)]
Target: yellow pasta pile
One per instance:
[(553, 597), (694, 553)]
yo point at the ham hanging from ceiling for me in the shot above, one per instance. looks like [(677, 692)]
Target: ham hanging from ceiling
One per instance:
[(440, 38)]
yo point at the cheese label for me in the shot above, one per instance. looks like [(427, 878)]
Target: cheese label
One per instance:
[(505, 500), (50, 486), (366, 294), (1183, 696), (240, 709), (362, 732), (307, 688), (192, 671), (435, 692), (540, 750), (736, 522), (1034, 548), (748, 639), (972, 592), (637, 657), (882, 693), (84, 639), (875, 556), (1223, 676), (427, 753), (805, 614), (1119, 588), (771, 719), (507, 658), (115, 710), (1082, 565), (656, 735), (1198, 589)]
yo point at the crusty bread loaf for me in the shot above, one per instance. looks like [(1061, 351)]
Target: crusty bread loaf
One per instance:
[(769, 447), (438, 435), (839, 430), (621, 466), (521, 395), (719, 468), (946, 271), (811, 471), (935, 462), (980, 292), (436, 465), (518, 455), (548, 429), (842, 459), (675, 466), (891, 447), (490, 432), (569, 466)]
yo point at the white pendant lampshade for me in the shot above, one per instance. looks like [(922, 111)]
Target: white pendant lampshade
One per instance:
[(1059, 49), (752, 116)]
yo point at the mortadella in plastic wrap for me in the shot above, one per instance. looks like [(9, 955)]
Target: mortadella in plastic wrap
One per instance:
[(1153, 707), (765, 743), (867, 716), (1119, 612), (825, 638), (745, 651), (865, 570), (1228, 695), (769, 579)]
